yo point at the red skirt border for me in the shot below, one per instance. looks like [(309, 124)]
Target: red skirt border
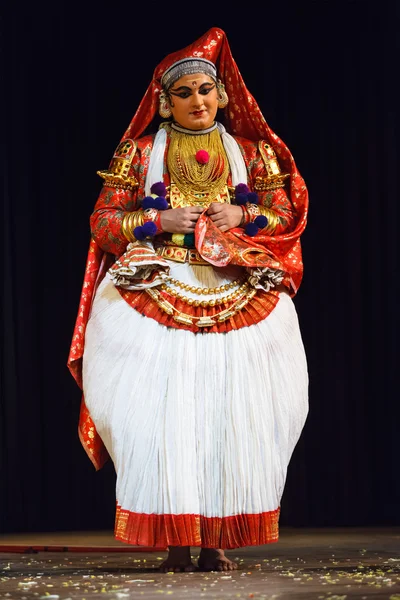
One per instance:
[(141, 529)]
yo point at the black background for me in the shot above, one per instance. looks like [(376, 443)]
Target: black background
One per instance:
[(324, 75)]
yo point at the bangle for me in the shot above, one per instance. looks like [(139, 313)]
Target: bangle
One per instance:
[(157, 222), (245, 216), (273, 218), (129, 222)]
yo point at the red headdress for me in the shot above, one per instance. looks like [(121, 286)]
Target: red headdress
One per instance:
[(243, 116)]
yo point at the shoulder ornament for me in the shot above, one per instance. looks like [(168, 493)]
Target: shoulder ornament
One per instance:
[(118, 173), (273, 179)]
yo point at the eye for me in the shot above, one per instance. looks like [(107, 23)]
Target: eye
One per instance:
[(205, 91), (183, 94)]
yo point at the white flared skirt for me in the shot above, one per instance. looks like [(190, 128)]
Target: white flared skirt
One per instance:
[(200, 427)]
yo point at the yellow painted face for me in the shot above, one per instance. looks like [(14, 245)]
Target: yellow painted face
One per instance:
[(194, 101)]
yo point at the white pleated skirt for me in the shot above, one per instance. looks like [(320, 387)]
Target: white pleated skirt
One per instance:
[(200, 427)]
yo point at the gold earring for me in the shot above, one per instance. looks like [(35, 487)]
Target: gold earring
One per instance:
[(222, 95), (164, 108)]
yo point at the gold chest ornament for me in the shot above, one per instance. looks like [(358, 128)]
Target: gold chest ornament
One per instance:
[(178, 200), (194, 183)]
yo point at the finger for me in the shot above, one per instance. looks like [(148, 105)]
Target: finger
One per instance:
[(215, 208), (217, 219), (223, 227), (196, 210)]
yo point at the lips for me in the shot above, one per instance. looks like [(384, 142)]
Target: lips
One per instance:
[(198, 113)]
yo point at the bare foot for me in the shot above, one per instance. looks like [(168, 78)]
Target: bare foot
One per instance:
[(178, 560), (214, 559)]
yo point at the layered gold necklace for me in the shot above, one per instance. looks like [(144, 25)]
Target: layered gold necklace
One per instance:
[(198, 183)]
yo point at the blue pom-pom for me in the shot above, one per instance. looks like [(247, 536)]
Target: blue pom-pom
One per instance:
[(251, 229), (242, 188), (149, 228), (252, 197), (139, 233), (160, 203), (148, 202), (241, 199), (159, 188), (261, 221)]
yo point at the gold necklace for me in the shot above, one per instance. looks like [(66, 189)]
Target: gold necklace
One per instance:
[(193, 179)]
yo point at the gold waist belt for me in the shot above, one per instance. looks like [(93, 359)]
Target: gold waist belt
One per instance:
[(181, 255)]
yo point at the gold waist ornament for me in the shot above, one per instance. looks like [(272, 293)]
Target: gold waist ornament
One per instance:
[(195, 183)]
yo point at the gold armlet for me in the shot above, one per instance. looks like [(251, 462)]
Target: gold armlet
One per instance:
[(117, 181), (267, 184), (273, 179), (273, 219), (118, 174)]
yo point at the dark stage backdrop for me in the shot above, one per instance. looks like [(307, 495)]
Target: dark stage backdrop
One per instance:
[(325, 75)]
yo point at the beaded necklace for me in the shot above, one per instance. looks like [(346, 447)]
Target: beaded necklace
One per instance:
[(191, 177)]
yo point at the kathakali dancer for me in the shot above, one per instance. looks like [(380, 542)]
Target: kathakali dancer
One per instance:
[(187, 343)]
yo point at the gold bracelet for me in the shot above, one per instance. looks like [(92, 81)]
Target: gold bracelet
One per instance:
[(124, 227), (138, 218), (129, 222), (131, 225), (273, 219)]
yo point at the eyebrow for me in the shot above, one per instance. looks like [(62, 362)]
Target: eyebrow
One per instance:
[(187, 88)]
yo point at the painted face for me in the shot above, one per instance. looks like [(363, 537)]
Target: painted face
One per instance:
[(194, 101)]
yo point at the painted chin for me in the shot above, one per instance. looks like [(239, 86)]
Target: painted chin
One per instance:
[(199, 118)]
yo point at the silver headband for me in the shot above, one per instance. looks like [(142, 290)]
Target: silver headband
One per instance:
[(187, 66)]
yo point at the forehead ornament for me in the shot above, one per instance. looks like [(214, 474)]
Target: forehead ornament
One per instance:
[(187, 66)]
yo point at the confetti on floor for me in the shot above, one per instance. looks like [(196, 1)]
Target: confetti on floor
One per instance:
[(338, 565)]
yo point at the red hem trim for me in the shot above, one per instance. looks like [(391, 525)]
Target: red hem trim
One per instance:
[(141, 529)]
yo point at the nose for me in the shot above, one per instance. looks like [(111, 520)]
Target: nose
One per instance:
[(197, 100)]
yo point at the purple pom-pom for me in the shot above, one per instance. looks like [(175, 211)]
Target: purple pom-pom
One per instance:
[(148, 202), (160, 203), (241, 188), (139, 233), (241, 199), (252, 197), (261, 221), (159, 188), (251, 229), (149, 228)]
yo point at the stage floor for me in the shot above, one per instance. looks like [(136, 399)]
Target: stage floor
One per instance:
[(335, 564)]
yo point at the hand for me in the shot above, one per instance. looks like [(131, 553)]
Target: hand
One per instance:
[(180, 220), (225, 216)]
